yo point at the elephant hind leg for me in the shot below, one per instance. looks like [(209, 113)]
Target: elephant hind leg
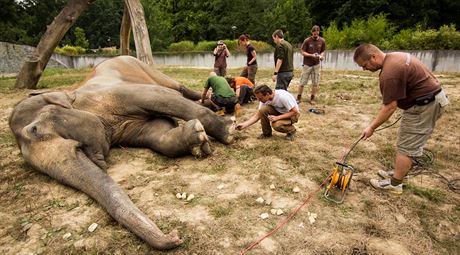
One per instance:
[(163, 135)]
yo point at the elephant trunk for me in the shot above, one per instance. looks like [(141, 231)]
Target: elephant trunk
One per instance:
[(189, 93), (82, 174)]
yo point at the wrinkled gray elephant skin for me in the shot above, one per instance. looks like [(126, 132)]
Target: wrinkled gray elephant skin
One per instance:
[(67, 135)]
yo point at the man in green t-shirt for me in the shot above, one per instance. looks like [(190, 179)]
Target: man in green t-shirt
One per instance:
[(284, 64), (222, 94)]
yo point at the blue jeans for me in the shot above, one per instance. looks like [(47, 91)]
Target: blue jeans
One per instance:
[(283, 79)]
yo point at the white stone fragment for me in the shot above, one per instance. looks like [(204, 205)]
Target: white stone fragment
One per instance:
[(279, 212), (312, 217), (184, 195), (264, 216), (400, 218), (260, 200), (296, 189), (66, 236), (220, 186), (272, 186), (92, 227), (190, 197), (179, 195), (273, 211)]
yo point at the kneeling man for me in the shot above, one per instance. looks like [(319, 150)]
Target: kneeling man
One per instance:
[(277, 109)]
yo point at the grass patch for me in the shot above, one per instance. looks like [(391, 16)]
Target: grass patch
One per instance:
[(219, 211), (434, 195)]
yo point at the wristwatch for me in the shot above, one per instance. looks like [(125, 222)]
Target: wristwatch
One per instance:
[(275, 73)]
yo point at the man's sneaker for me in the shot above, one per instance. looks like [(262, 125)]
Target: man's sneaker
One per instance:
[(385, 185), (388, 174), (263, 136), (290, 136)]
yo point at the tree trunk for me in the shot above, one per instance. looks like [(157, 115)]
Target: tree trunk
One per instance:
[(125, 32), (34, 65), (140, 32)]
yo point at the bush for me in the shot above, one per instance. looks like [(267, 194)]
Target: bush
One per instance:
[(378, 31), (181, 46), (80, 38), (375, 30), (261, 46), (447, 38), (70, 50), (205, 46), (232, 45)]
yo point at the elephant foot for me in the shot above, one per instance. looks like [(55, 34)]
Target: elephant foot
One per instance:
[(230, 131), (200, 145), (169, 241)]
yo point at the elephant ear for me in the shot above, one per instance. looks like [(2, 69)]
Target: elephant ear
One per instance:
[(57, 98)]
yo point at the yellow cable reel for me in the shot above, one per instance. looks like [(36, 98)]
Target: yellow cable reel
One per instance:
[(340, 180)]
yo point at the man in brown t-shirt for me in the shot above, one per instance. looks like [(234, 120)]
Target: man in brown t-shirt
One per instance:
[(312, 50), (405, 83), (221, 54)]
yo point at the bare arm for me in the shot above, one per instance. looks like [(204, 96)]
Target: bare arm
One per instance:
[(204, 95), (384, 114), (249, 122), (279, 62)]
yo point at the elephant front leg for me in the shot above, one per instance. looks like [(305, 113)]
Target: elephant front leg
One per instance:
[(164, 136)]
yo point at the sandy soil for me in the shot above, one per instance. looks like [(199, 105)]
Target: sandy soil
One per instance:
[(37, 213)]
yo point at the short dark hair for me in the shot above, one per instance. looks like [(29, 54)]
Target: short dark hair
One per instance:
[(263, 89), (230, 80), (278, 33), (315, 28), (365, 51)]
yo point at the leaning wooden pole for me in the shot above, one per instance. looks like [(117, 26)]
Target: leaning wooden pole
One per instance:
[(125, 32), (140, 32), (32, 69)]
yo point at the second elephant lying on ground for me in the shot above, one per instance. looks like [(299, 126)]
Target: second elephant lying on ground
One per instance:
[(67, 135)]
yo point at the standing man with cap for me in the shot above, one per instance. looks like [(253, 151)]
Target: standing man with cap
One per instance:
[(406, 83), (313, 53), (284, 64), (221, 54)]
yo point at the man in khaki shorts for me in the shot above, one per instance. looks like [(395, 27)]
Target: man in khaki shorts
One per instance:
[(405, 83), (312, 50)]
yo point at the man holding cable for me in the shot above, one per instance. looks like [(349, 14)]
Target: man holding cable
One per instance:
[(406, 83)]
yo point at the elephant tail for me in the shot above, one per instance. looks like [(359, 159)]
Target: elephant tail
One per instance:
[(72, 167)]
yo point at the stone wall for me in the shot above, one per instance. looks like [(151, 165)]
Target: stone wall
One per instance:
[(12, 56)]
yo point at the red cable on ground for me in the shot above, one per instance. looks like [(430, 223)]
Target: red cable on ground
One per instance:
[(294, 212), (285, 221)]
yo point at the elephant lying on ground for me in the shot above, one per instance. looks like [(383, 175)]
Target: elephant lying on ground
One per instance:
[(67, 135)]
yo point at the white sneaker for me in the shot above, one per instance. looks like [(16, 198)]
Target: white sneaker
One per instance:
[(388, 174), (385, 185)]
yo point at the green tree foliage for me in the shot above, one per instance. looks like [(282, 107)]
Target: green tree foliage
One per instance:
[(172, 21), (101, 21), (406, 14), (377, 30), (80, 38)]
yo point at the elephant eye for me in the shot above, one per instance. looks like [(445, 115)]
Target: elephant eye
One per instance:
[(34, 130)]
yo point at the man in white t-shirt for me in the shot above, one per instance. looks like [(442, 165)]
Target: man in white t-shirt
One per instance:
[(277, 109)]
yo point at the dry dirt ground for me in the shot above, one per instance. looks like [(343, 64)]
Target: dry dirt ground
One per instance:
[(37, 213)]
